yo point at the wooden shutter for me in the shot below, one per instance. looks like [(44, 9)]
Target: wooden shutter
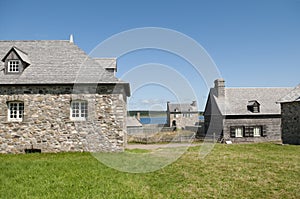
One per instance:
[(232, 132), (247, 131), (251, 131), (264, 131)]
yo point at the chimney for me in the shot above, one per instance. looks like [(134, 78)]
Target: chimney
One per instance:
[(194, 103), (138, 116), (71, 39), (220, 88)]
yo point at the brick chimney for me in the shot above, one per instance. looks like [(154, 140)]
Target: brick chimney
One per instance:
[(220, 88)]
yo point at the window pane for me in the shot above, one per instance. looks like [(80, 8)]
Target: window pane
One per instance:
[(13, 66), (79, 109), (16, 110), (238, 132), (257, 131)]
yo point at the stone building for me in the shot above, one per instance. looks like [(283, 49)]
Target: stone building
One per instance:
[(182, 114), (243, 114), (290, 117), (54, 97)]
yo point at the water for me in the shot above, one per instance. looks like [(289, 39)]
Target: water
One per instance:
[(158, 120), (153, 120)]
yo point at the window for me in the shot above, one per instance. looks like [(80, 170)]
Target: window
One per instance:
[(255, 109), (248, 131), (79, 110), (253, 106), (236, 131), (15, 111), (176, 115), (13, 66), (257, 131), (239, 132)]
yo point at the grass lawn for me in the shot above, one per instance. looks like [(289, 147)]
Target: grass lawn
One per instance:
[(229, 171)]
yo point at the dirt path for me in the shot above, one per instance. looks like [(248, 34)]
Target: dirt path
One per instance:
[(156, 146)]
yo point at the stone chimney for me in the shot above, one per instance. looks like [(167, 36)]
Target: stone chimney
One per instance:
[(194, 103), (138, 116), (220, 88)]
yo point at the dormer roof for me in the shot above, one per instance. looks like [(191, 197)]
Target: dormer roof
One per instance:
[(21, 54)]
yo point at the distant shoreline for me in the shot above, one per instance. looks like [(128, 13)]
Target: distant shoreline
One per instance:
[(144, 113)]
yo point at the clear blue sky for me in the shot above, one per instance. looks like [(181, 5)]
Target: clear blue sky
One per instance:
[(254, 43)]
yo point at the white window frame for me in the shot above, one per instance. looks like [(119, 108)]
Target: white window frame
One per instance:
[(80, 113), (176, 114), (17, 114), (13, 66), (238, 132), (256, 131)]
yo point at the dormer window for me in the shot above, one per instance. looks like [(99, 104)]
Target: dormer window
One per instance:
[(15, 61), (13, 66), (253, 106)]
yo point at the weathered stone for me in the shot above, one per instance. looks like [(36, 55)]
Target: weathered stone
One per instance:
[(47, 124)]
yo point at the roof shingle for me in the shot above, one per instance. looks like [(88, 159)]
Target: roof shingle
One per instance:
[(292, 96), (56, 62), (237, 99)]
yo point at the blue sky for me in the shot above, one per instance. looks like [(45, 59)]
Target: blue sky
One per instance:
[(254, 43)]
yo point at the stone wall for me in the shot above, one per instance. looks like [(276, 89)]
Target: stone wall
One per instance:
[(290, 113), (183, 121), (47, 125), (272, 128)]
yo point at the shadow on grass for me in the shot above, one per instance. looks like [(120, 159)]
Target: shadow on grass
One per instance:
[(140, 160)]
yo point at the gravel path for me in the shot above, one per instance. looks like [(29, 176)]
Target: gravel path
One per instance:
[(156, 146)]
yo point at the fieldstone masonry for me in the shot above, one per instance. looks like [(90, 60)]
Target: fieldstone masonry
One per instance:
[(47, 125)]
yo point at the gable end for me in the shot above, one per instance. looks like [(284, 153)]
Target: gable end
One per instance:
[(15, 61)]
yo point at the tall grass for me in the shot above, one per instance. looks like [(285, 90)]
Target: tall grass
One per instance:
[(229, 171)]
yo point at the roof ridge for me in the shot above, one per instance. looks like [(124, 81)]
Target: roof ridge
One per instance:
[(20, 50), (30, 40), (257, 87)]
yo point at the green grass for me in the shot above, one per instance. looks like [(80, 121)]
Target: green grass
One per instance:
[(229, 171)]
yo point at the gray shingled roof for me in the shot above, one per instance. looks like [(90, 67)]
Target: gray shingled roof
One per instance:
[(236, 100), (292, 96), (23, 56), (107, 62), (56, 62), (182, 107)]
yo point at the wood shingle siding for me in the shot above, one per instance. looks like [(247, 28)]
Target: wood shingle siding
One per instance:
[(233, 107)]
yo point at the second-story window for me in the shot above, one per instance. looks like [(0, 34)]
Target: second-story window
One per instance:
[(13, 66)]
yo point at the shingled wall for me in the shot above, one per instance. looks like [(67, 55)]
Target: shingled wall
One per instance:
[(290, 122)]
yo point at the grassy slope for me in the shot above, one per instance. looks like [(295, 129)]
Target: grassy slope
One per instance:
[(229, 171)]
